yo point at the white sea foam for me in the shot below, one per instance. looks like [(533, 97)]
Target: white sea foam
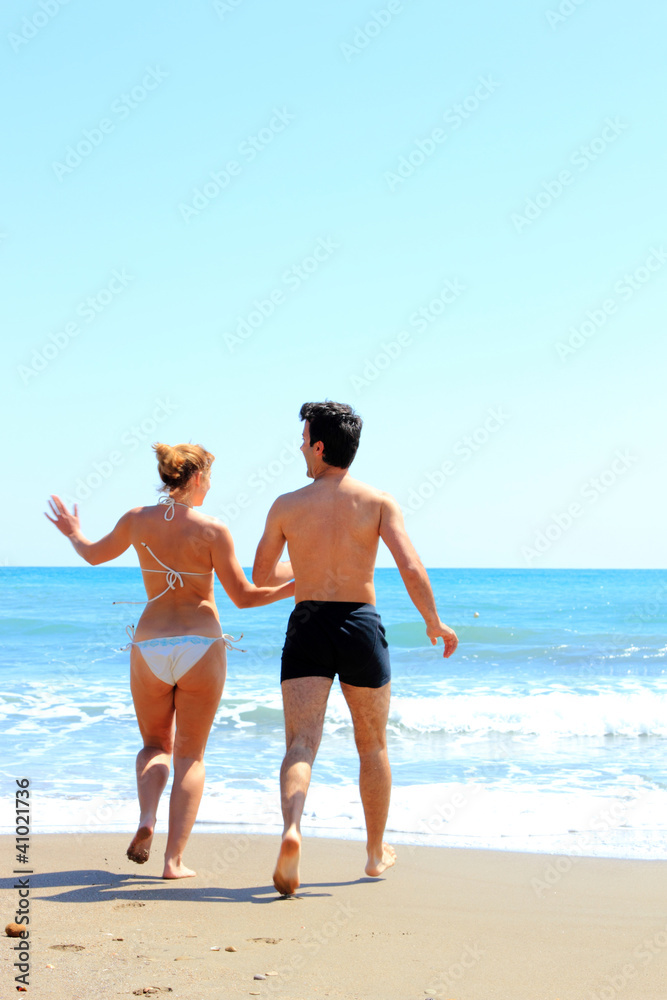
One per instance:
[(556, 712), (627, 825)]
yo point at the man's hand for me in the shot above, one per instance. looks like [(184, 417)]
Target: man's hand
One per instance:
[(448, 634)]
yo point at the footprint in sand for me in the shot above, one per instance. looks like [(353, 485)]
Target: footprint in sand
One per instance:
[(148, 990)]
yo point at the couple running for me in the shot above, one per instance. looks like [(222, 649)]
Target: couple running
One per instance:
[(332, 528)]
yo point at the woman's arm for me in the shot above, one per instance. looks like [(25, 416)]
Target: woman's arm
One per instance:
[(230, 574), (110, 547)]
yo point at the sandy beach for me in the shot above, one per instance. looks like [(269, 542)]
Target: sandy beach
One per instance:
[(466, 925)]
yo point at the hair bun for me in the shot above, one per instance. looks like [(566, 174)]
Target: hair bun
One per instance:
[(178, 463)]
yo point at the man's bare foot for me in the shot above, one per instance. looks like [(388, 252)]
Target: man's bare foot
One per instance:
[(286, 875), (176, 869), (376, 866), (139, 850)]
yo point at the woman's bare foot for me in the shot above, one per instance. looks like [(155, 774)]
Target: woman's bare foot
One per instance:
[(286, 875), (139, 850), (376, 866), (176, 869)]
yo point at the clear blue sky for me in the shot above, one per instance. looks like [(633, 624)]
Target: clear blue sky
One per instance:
[(451, 216)]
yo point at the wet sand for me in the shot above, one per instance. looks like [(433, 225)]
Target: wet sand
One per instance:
[(446, 923)]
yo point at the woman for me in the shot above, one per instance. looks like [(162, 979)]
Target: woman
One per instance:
[(178, 653)]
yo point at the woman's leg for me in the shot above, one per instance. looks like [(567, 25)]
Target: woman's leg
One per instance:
[(154, 705), (196, 699)]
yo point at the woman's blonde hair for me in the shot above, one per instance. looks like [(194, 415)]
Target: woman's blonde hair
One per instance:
[(178, 463)]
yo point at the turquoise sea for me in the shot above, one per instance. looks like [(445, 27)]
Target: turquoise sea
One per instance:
[(547, 730)]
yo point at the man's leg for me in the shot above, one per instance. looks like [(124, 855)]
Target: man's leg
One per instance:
[(304, 702), (370, 711)]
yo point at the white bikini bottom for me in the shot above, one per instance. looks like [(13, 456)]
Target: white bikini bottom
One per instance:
[(170, 657)]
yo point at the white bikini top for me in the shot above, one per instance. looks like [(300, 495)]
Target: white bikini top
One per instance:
[(173, 576)]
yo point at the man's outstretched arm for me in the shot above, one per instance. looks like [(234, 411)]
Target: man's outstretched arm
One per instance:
[(413, 574)]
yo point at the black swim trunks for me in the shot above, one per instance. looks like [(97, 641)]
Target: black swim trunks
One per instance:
[(325, 638)]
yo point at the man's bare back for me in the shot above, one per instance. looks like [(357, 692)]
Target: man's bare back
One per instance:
[(332, 529)]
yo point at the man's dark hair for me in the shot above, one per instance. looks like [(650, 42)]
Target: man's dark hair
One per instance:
[(338, 427)]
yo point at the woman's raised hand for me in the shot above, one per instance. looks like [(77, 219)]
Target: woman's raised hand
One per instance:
[(63, 520)]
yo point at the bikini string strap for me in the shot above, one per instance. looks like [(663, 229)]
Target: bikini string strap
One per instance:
[(130, 631), (170, 504), (229, 639), (173, 577)]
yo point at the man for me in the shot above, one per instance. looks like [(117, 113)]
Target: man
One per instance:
[(333, 527)]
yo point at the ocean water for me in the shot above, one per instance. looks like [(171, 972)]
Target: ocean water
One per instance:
[(546, 731)]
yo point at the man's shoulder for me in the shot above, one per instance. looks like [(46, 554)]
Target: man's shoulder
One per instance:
[(286, 500), (306, 495), (370, 492)]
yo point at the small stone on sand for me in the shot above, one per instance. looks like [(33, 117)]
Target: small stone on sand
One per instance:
[(272, 973), (230, 947), (258, 976), (14, 930), (215, 949)]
